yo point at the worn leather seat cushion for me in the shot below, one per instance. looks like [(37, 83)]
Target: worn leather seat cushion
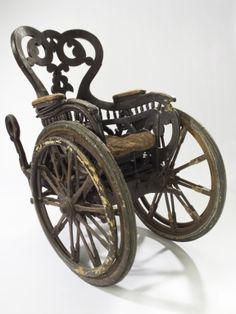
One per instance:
[(136, 142)]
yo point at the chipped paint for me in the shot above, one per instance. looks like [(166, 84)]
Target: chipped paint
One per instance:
[(39, 147), (168, 107), (109, 214), (111, 223)]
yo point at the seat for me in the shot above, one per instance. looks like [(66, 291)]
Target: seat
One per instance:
[(121, 146)]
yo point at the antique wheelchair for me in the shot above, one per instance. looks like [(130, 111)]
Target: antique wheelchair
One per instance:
[(96, 163)]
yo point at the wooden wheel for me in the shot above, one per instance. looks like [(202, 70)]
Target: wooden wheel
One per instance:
[(190, 198), (83, 203)]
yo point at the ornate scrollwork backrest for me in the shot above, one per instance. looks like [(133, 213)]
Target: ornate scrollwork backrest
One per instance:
[(54, 43)]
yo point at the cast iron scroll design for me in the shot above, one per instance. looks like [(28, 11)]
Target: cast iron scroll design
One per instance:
[(42, 47)]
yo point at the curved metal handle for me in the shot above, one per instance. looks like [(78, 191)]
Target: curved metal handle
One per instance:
[(13, 130), (12, 127)]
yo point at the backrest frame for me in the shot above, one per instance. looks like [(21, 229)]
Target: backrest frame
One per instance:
[(52, 43)]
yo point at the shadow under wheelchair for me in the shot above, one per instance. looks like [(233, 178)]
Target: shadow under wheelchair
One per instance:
[(163, 276)]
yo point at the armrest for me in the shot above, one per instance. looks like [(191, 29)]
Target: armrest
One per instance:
[(54, 107), (128, 95), (139, 111), (139, 99), (86, 113), (85, 105), (48, 99)]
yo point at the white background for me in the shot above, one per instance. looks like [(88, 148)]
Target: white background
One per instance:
[(185, 48)]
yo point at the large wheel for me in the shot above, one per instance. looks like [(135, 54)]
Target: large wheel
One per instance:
[(190, 198), (83, 203)]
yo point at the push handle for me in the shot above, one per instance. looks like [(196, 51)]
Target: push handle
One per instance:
[(13, 130)]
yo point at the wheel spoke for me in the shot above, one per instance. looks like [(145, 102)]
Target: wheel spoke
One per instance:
[(97, 260), (59, 157), (77, 243), (47, 192), (77, 180), (60, 225), (193, 186), (69, 170), (72, 247), (173, 211), (172, 218), (88, 249), (185, 203), (51, 180), (182, 136), (192, 162), (54, 160), (154, 205), (98, 227), (162, 141), (84, 188), (87, 184), (51, 201), (100, 239), (92, 208)]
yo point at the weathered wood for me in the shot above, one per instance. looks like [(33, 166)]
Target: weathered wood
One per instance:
[(47, 99), (128, 95)]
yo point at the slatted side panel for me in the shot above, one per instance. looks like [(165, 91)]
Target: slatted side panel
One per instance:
[(108, 115), (145, 107)]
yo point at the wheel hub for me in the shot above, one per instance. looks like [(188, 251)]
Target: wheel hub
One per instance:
[(167, 177), (67, 206)]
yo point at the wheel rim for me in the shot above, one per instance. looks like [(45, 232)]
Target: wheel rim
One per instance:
[(182, 207), (65, 179)]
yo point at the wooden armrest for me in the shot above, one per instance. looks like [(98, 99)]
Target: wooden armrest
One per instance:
[(166, 97), (47, 98), (83, 104), (129, 94)]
